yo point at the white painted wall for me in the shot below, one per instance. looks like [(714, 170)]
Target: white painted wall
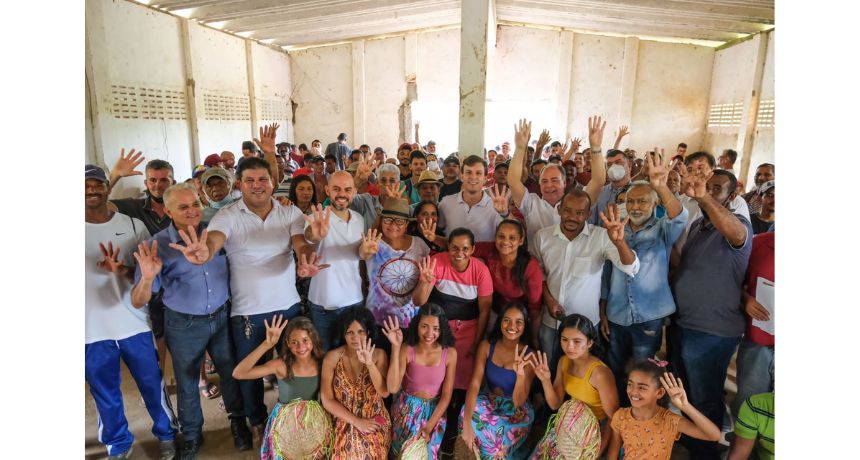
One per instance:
[(763, 145), (438, 80), (136, 47), (385, 91), (596, 85), (273, 89)]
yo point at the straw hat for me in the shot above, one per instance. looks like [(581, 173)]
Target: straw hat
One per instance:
[(399, 209)]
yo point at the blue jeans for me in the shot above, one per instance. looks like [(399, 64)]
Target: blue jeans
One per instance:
[(189, 337), (637, 341), (252, 390), (102, 371), (755, 372), (326, 323), (702, 361)]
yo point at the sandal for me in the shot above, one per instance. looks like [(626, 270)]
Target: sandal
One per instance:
[(209, 367), (209, 391)]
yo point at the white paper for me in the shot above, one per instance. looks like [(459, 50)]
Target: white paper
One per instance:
[(764, 296)]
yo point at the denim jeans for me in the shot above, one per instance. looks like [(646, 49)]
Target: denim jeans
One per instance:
[(252, 390), (325, 321), (189, 337), (702, 361), (637, 341), (755, 372)]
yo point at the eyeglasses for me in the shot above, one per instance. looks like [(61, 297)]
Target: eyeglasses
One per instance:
[(393, 221)]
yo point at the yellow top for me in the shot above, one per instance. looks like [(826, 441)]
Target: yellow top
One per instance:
[(581, 389)]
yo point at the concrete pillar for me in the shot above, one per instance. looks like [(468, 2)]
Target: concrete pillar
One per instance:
[(357, 93), (749, 118), (565, 66), (190, 92), (94, 69), (628, 87), (252, 93), (474, 34)]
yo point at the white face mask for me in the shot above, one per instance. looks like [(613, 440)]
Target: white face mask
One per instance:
[(616, 173), (622, 211), (433, 166)]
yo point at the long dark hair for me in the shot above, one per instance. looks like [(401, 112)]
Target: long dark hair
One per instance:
[(584, 325), (446, 337), (303, 324), (518, 271), (496, 332), (295, 183), (654, 371)]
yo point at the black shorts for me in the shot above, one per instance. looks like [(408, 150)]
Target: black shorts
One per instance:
[(156, 315)]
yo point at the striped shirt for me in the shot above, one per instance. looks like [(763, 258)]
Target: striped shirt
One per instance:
[(457, 292), (756, 421)]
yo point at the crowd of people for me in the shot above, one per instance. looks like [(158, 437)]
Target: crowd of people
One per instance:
[(416, 305)]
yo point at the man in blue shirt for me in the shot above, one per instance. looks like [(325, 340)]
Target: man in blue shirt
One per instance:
[(618, 173), (637, 306), (709, 322), (197, 304)]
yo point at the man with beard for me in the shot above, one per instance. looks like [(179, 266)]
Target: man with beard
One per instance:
[(710, 321), (337, 235), (632, 320), (150, 211), (196, 306), (114, 329), (403, 161), (260, 236), (541, 211)]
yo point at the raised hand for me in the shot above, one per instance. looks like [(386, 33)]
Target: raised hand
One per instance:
[(318, 222), (370, 241), (543, 139), (575, 144), (521, 359), (675, 390), (540, 363), (365, 352), (613, 225), (596, 125), (622, 131), (522, 133), (110, 258), (274, 331), (392, 331), (658, 167), (393, 191), (148, 260), (124, 166), (365, 166), (500, 196), (195, 250), (428, 270), (428, 229), (694, 183), (310, 267), (266, 142)]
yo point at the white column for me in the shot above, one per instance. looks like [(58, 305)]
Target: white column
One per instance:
[(628, 86), (190, 93), (565, 66), (252, 93), (96, 71), (474, 32), (357, 93), (746, 131)]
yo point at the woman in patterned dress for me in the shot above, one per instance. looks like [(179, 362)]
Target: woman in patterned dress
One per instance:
[(353, 385)]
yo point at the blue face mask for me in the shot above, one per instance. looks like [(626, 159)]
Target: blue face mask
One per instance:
[(224, 202)]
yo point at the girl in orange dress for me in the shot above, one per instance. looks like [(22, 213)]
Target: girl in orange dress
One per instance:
[(353, 385)]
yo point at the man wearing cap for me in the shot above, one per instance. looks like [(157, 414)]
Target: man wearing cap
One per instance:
[(339, 150), (213, 160), (217, 183), (428, 190), (765, 219), (150, 210), (451, 182), (336, 233), (260, 237), (196, 311), (114, 329), (195, 178)]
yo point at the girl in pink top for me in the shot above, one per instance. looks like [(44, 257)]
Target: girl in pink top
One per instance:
[(425, 369)]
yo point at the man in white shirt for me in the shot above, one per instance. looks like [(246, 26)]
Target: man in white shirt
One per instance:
[(337, 234), (471, 208), (572, 254), (541, 211), (259, 236), (114, 329)]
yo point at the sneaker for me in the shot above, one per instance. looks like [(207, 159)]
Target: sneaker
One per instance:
[(123, 456), (241, 435), (167, 450), (192, 448)]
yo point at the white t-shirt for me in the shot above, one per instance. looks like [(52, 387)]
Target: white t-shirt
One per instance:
[(107, 297), (538, 213), (262, 270), (340, 284)]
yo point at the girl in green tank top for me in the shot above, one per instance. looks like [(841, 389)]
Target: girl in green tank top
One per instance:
[(298, 372)]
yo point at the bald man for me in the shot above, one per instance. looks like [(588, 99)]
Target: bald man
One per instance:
[(336, 235)]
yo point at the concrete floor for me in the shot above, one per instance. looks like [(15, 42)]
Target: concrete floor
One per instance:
[(216, 430)]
